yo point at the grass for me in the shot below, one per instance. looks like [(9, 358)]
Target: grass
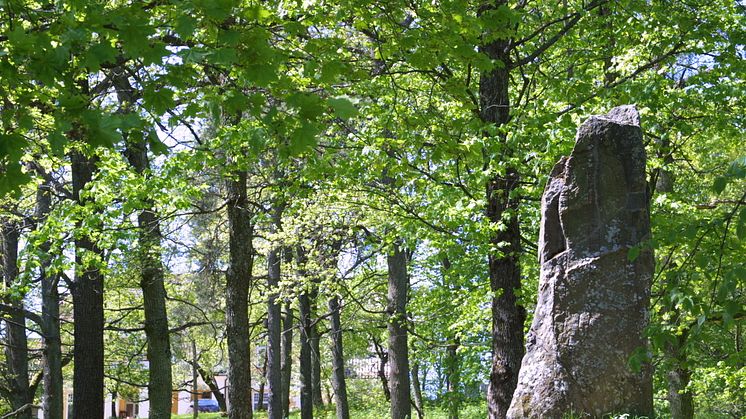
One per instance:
[(374, 412)]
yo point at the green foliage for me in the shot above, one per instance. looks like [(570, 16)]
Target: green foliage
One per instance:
[(362, 121)]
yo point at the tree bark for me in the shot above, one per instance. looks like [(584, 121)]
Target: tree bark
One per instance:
[(306, 379), (52, 396), (160, 384), (398, 289), (209, 379), (195, 389), (453, 369), (287, 357), (88, 307), (16, 349), (262, 383), (681, 401), (417, 390), (383, 358), (304, 309), (508, 316), (238, 280), (153, 293), (274, 317), (314, 343), (338, 361)]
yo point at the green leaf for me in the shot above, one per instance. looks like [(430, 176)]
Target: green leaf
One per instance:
[(185, 25), (11, 146), (303, 138), (100, 53), (12, 178), (741, 230), (309, 106), (257, 12), (101, 130), (719, 185), (159, 100), (57, 141), (217, 10), (730, 309), (343, 108), (737, 169), (235, 101), (156, 145)]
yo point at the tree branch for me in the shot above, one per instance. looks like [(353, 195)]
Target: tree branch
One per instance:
[(557, 36)]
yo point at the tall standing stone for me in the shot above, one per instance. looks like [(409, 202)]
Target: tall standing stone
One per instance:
[(593, 291)]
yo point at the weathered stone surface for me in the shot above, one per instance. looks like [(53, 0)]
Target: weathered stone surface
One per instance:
[(593, 301)]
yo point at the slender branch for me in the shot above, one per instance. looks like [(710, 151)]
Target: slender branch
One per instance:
[(19, 410), (557, 36)]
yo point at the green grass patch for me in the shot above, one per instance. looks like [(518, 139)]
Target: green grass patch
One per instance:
[(477, 411)]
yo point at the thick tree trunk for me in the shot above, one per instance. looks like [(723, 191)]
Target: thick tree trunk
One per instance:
[(238, 280), (154, 295), (504, 270), (274, 317), (417, 390), (306, 379), (287, 357), (338, 361), (88, 309), (453, 377), (16, 349), (398, 289), (151, 276), (51, 400)]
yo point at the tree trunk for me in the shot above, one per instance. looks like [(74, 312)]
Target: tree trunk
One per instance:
[(151, 274), (398, 288), (504, 270), (154, 297), (238, 280), (314, 343), (338, 361), (16, 349), (262, 383), (195, 389), (417, 389), (209, 379), (383, 358), (88, 308), (680, 399), (306, 379), (52, 396), (274, 317), (453, 369), (304, 309), (287, 357), (156, 320)]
